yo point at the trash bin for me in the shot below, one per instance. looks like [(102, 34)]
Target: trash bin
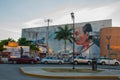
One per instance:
[(94, 64)]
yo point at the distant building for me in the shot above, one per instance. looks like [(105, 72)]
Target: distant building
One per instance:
[(86, 36), (114, 33), (15, 50)]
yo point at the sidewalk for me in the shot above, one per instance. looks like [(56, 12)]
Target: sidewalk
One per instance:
[(38, 72)]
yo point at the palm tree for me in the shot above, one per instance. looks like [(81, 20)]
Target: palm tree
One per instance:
[(64, 33), (24, 42)]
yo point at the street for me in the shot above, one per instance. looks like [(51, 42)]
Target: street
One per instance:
[(12, 72)]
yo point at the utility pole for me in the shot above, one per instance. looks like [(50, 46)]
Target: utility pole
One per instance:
[(47, 33)]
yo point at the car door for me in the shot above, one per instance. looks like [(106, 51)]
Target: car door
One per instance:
[(54, 60), (111, 61), (51, 60), (80, 59), (26, 59), (108, 61), (84, 60)]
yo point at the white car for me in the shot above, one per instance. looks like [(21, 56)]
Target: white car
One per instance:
[(80, 59), (50, 59), (109, 61)]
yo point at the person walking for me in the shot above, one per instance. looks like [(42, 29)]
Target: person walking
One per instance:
[(94, 64)]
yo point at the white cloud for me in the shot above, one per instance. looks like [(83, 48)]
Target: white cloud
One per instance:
[(85, 10), (81, 15), (35, 22), (5, 34)]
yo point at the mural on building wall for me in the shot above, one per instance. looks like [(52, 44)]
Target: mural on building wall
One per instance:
[(83, 41), (82, 37), (86, 38)]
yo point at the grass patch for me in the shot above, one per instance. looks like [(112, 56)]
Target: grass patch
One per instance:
[(70, 70)]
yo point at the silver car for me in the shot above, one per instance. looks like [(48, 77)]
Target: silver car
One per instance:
[(50, 59), (80, 59), (109, 61)]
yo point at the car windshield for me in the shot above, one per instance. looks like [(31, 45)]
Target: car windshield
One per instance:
[(80, 57), (105, 58), (54, 58), (50, 58)]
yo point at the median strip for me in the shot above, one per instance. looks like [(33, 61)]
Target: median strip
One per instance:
[(41, 75)]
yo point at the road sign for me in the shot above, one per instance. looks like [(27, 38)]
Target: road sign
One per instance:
[(108, 46)]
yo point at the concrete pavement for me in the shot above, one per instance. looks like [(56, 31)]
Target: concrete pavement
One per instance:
[(38, 72)]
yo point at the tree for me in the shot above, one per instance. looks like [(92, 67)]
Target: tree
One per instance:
[(25, 42), (1, 48), (5, 42), (64, 33)]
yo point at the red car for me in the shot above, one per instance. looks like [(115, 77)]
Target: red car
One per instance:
[(23, 59)]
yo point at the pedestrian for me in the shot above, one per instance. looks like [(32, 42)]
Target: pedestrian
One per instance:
[(94, 64)]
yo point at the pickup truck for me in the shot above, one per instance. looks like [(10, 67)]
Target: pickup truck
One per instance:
[(22, 59)]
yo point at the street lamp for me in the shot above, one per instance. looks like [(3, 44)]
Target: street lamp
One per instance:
[(47, 33), (73, 18)]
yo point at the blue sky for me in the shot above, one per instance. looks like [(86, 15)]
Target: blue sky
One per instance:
[(18, 14)]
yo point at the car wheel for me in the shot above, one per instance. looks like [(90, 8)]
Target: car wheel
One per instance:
[(103, 63), (75, 62), (60, 62), (88, 62), (116, 63), (45, 62)]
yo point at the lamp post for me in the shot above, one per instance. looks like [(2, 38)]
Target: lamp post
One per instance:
[(108, 46), (73, 19), (47, 33)]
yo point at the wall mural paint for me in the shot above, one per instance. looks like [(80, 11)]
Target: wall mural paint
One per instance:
[(83, 41), (82, 37), (86, 38)]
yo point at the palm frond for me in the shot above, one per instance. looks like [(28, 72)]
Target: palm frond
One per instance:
[(64, 33)]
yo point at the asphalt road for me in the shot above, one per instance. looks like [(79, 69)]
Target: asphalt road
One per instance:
[(12, 72)]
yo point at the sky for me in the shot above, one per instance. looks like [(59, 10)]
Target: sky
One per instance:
[(18, 14)]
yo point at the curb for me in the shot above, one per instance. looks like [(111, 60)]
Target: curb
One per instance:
[(68, 77)]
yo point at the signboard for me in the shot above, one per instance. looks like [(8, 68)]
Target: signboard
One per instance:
[(12, 44), (108, 46), (15, 51)]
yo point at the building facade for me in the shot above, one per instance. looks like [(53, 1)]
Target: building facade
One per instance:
[(110, 42), (86, 37)]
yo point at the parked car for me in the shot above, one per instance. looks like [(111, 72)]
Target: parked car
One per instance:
[(22, 59), (105, 60), (80, 59), (50, 59)]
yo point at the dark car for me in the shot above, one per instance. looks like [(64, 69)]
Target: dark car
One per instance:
[(22, 59)]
